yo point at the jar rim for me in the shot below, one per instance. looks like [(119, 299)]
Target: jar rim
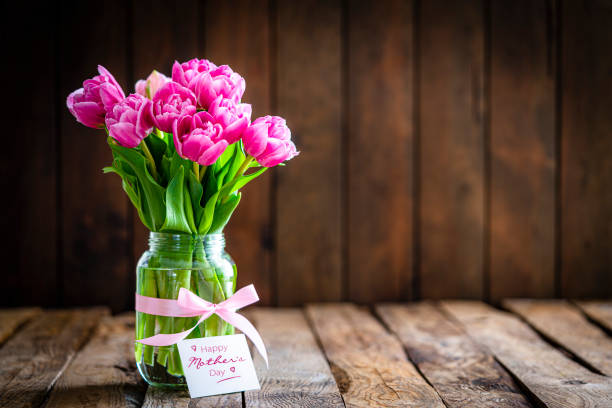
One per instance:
[(182, 235)]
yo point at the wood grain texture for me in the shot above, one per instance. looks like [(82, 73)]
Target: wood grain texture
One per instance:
[(308, 195), (245, 46), (94, 208), (36, 356), (12, 319), (104, 373), (452, 148), (552, 377), (563, 324), (462, 372), (160, 398), (298, 374), (369, 364), (379, 150), (522, 148), (586, 174), (29, 167), (162, 32), (600, 312)]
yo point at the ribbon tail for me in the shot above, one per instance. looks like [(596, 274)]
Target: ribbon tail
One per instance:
[(242, 323), (170, 339)]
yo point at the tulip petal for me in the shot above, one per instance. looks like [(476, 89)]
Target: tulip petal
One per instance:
[(255, 138), (125, 134), (212, 153)]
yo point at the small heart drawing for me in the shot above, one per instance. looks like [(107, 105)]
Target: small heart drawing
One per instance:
[(232, 369)]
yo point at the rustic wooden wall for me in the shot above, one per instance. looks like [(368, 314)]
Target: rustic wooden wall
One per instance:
[(448, 149)]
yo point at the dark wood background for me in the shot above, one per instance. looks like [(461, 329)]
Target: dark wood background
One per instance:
[(448, 149)]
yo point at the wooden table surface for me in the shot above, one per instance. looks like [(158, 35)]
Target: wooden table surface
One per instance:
[(551, 353)]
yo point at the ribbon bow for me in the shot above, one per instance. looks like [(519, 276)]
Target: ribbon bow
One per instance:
[(189, 304)]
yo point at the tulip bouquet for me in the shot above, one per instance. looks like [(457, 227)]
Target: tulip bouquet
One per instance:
[(184, 147)]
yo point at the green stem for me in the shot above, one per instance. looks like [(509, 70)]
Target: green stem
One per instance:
[(146, 322), (202, 172), (149, 157), (243, 167), (196, 170)]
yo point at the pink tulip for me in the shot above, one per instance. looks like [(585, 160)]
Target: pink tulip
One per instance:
[(198, 138), (221, 81), (268, 140), (98, 95), (130, 120), (170, 102), (149, 87), (234, 118), (185, 72)]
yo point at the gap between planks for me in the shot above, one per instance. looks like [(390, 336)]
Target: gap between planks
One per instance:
[(34, 358), (13, 319), (546, 372), (562, 324), (462, 372), (369, 364), (598, 311), (103, 373), (298, 374)]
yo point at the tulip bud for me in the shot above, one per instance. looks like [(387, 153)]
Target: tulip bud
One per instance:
[(149, 87), (268, 140)]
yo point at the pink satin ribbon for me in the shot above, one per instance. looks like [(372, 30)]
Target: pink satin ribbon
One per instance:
[(189, 304)]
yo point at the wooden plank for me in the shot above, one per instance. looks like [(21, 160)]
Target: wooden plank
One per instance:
[(369, 364), (552, 377), (161, 398), (244, 44), (298, 374), (30, 169), (452, 148), (522, 150), (36, 356), (175, 37), (462, 372), (586, 173), (380, 139), (563, 324), (600, 312), (104, 373), (94, 209), (13, 319), (308, 197)]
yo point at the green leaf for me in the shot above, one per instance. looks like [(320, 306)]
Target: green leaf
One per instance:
[(189, 210), (209, 210), (152, 197), (210, 183), (223, 213), (157, 147), (145, 216), (195, 193), (176, 221), (225, 157), (222, 174), (131, 187), (237, 161), (177, 161), (164, 169), (128, 183), (240, 182)]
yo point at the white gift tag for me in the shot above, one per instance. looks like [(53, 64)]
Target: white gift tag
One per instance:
[(217, 365)]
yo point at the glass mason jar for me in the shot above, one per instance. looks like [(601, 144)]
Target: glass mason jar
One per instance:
[(174, 261)]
